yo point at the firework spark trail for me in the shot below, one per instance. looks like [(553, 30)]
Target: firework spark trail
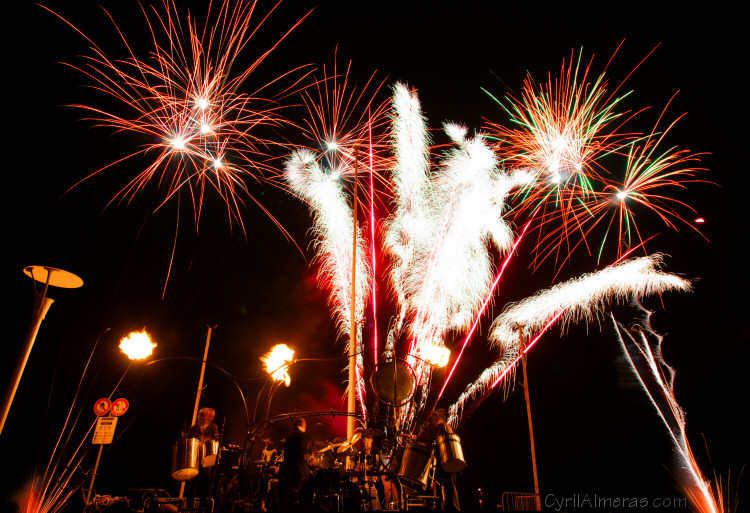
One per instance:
[(333, 227), (495, 374), (642, 349), (584, 296), (51, 490), (580, 298), (650, 174), (200, 130), (562, 129), (342, 116), (409, 231), (459, 269), (373, 230), (468, 198), (487, 300), (649, 171)]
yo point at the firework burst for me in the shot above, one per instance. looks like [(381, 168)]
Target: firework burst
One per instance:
[(570, 133), (188, 104), (345, 122)]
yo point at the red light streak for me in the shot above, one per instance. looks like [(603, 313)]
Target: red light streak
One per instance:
[(528, 347), (372, 239), (484, 305)]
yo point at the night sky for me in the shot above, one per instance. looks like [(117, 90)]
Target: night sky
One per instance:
[(595, 430)]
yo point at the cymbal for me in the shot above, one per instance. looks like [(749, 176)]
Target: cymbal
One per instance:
[(348, 451), (346, 445)]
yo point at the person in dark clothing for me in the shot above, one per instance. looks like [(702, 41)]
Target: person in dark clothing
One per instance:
[(294, 473), (205, 429)]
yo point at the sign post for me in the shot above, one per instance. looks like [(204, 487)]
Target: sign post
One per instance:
[(108, 413)]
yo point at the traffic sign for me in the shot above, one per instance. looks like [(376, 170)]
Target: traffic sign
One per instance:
[(120, 406), (105, 430), (102, 406)]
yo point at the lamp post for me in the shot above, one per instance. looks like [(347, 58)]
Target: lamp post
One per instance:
[(49, 276), (538, 498)]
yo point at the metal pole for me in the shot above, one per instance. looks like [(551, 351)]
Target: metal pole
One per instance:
[(41, 306), (351, 399), (531, 429), (93, 476), (198, 395)]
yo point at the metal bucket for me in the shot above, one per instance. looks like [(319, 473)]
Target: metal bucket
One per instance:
[(415, 464), (185, 455), (209, 453), (451, 453)]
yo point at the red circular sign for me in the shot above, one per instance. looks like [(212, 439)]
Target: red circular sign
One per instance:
[(102, 406), (120, 406)]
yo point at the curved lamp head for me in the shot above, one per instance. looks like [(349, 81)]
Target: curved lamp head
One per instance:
[(53, 276)]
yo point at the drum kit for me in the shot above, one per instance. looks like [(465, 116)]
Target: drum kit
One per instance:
[(345, 474)]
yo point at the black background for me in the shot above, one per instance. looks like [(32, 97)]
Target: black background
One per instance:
[(595, 431)]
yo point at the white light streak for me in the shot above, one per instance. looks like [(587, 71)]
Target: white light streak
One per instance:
[(333, 227), (645, 360), (581, 298)]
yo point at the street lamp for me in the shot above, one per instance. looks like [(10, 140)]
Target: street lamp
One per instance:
[(50, 276), (137, 345)]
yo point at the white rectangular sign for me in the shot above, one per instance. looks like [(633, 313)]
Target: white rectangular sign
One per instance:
[(105, 430)]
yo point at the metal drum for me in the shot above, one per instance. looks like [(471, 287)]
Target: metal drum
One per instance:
[(185, 456), (451, 453), (393, 382), (415, 464), (209, 453)]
